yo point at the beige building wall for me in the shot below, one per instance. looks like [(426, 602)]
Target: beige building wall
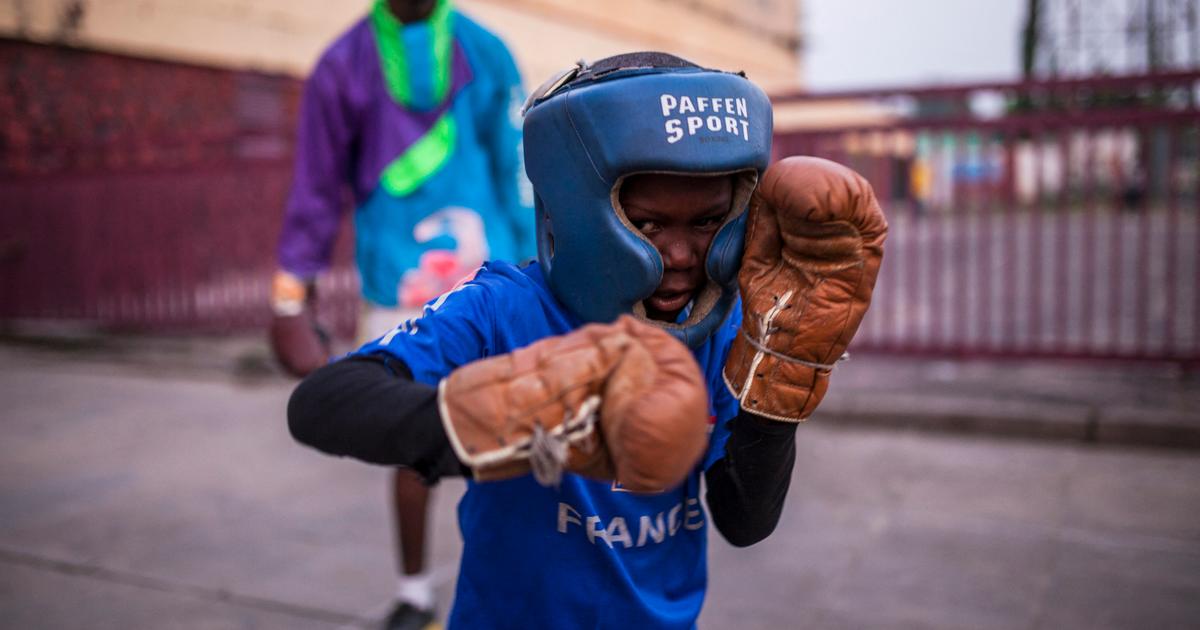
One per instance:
[(545, 35)]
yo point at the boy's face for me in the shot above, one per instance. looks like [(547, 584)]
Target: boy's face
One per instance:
[(679, 214)]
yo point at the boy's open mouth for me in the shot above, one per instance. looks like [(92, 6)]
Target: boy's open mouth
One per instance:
[(668, 301)]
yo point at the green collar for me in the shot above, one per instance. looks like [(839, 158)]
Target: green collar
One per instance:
[(394, 60)]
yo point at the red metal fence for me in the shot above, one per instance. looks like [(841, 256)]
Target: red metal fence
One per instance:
[(1058, 220), (144, 195), (1043, 219)]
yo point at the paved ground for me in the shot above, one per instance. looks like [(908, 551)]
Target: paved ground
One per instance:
[(138, 489)]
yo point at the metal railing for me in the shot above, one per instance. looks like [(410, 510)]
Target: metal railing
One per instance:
[(1039, 219), (1043, 219), (147, 196)]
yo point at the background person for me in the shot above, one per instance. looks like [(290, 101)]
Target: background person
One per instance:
[(415, 108)]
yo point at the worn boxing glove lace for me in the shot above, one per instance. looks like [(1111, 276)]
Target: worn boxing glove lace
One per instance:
[(548, 450)]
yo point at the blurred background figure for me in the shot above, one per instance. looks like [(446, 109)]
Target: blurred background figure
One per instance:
[(416, 109)]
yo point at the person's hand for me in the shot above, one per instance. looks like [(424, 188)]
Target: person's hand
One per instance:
[(623, 401), (297, 341), (814, 242)]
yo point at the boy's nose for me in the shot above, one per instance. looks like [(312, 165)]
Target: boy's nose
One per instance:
[(678, 254)]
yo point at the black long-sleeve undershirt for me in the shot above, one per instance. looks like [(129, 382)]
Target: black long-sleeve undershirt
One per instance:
[(369, 408), (747, 486)]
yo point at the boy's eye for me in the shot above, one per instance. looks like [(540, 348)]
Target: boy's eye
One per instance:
[(646, 227), (710, 222)]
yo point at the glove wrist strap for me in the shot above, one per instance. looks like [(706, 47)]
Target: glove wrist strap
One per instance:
[(828, 367)]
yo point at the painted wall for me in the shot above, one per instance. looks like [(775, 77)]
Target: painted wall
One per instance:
[(286, 36)]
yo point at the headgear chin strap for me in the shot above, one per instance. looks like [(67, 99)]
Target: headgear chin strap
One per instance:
[(588, 129)]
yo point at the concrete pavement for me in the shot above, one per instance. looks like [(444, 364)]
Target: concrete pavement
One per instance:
[(886, 529), (140, 489)]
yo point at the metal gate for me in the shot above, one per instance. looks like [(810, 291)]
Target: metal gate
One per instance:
[(1045, 219), (146, 196), (1042, 219)]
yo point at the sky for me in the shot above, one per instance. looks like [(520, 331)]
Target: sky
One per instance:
[(878, 43)]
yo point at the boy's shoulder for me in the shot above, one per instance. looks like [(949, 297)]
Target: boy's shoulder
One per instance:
[(505, 276), (511, 288)]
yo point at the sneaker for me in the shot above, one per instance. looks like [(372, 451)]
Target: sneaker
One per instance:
[(405, 616)]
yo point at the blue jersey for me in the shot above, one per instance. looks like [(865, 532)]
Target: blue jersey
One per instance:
[(586, 554)]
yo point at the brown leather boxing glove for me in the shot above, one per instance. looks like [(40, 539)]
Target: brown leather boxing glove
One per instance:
[(297, 341), (814, 242), (622, 401)]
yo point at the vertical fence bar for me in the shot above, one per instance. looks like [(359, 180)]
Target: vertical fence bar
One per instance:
[(1115, 256), (1007, 306), (986, 317), (893, 305), (1170, 279), (1089, 209), (1063, 242), (1007, 309), (1142, 273), (878, 178), (966, 253), (934, 231), (1035, 258), (911, 253), (1195, 205)]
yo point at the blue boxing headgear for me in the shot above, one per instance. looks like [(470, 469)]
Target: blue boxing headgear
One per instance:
[(590, 128)]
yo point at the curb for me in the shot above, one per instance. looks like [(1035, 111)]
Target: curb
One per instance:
[(971, 410), (1061, 422)]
